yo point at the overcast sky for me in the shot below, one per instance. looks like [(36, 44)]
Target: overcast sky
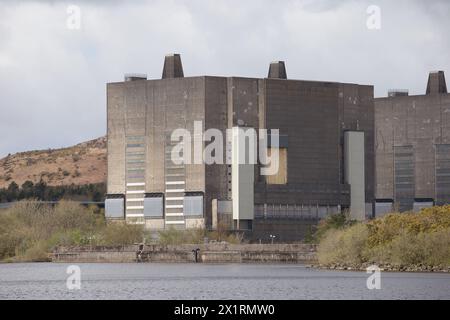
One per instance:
[(52, 78)]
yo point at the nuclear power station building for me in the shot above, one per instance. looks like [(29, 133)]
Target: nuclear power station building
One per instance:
[(413, 148), (325, 147)]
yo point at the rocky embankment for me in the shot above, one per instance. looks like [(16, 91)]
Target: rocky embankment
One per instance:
[(385, 267)]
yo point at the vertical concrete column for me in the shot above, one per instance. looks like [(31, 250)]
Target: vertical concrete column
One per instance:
[(215, 217), (354, 173), (242, 175)]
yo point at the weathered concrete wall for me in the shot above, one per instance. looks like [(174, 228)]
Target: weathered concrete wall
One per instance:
[(314, 115), (116, 139), (419, 125), (94, 254), (209, 253), (216, 175)]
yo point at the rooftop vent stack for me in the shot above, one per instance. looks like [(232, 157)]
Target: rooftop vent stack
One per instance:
[(398, 93), (277, 70), (436, 83), (172, 67), (134, 77)]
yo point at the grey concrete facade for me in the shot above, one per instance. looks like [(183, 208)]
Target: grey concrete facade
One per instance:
[(312, 118), (413, 147)]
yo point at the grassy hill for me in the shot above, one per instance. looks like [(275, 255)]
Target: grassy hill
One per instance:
[(82, 164)]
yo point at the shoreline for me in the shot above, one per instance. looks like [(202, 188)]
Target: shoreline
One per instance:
[(215, 253), (316, 267), (385, 268)]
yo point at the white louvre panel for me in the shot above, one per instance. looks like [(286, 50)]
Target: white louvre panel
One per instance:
[(135, 176), (174, 190), (174, 206), (180, 214), (135, 200), (136, 192), (135, 207), (175, 222), (135, 215), (136, 184), (175, 181), (174, 198)]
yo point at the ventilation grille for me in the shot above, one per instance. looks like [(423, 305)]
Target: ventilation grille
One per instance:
[(404, 184)]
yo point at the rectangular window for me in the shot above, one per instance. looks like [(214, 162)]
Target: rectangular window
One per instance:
[(153, 206), (281, 176), (193, 205), (114, 207)]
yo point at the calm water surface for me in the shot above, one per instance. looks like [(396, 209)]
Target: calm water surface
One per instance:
[(203, 281)]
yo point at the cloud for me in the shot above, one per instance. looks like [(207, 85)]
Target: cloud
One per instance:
[(52, 79)]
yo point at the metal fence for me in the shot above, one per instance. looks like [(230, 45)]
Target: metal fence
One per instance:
[(286, 211)]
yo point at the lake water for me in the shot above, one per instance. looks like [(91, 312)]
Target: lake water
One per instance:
[(206, 281)]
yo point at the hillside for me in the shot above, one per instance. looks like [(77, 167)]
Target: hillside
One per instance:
[(84, 163)]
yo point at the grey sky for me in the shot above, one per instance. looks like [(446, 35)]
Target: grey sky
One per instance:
[(52, 79)]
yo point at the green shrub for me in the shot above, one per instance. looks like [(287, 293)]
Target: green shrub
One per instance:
[(173, 236), (30, 229), (38, 252), (331, 222), (398, 239), (116, 234), (343, 246)]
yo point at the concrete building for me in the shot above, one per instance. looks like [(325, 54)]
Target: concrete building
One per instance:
[(413, 148), (326, 151)]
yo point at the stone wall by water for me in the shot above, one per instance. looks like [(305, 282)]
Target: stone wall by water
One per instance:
[(206, 253)]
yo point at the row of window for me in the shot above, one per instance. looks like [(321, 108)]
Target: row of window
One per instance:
[(153, 207)]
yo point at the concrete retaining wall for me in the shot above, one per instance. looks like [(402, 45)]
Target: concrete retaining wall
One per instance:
[(208, 253)]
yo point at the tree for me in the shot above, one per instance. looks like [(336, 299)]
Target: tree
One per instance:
[(40, 189), (27, 189), (13, 191)]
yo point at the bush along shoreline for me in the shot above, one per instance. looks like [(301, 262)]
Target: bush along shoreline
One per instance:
[(31, 230), (412, 242)]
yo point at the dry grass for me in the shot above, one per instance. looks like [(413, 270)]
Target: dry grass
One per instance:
[(197, 236), (30, 230)]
